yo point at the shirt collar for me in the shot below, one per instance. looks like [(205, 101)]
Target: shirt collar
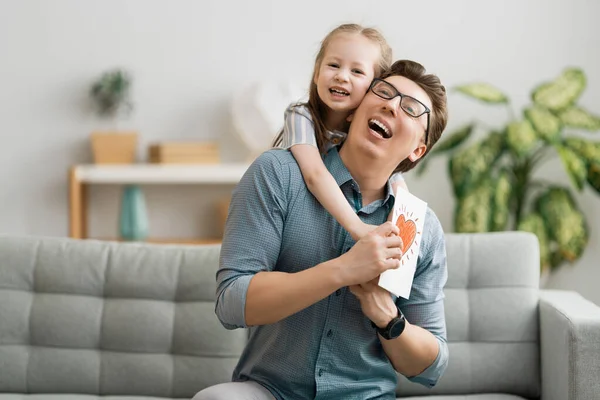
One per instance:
[(340, 173)]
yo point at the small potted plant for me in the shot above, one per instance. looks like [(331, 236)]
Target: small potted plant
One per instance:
[(111, 95)]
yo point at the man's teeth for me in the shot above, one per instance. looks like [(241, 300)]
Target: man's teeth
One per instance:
[(342, 92), (381, 126)]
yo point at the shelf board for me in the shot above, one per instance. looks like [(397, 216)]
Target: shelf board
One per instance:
[(185, 241), (230, 173)]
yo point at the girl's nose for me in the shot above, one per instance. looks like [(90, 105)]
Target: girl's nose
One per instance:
[(341, 76)]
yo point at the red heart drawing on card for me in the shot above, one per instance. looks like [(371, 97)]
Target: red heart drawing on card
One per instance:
[(408, 231)]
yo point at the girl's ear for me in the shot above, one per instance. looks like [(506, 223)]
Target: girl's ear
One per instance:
[(350, 117)]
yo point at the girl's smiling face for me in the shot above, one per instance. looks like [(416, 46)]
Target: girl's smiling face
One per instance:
[(347, 69)]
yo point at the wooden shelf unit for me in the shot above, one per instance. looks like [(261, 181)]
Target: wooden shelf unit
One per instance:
[(84, 175)]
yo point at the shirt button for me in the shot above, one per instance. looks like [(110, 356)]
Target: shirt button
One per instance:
[(329, 333), (338, 292), (321, 372)]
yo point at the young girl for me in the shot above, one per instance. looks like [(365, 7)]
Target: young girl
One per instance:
[(349, 58)]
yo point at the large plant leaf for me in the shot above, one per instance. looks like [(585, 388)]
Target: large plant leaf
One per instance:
[(535, 224), (562, 92), (566, 224), (470, 165), (452, 141), (577, 117), (553, 202), (474, 210), (590, 151), (546, 124), (521, 138), (575, 165), (484, 92), (573, 235), (501, 197), (593, 175)]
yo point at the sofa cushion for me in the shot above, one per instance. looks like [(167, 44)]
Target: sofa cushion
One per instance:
[(491, 311), (73, 397), (102, 318)]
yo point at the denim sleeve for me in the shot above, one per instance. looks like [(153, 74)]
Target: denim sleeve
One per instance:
[(425, 307), (252, 236), (298, 127)]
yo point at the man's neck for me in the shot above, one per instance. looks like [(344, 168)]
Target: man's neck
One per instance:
[(371, 175), (336, 120)]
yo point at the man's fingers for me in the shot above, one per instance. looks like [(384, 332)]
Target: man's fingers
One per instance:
[(356, 290), (375, 281), (393, 252), (387, 229), (394, 241), (372, 284), (391, 263)]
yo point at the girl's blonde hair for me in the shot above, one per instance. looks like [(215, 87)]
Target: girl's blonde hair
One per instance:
[(315, 105)]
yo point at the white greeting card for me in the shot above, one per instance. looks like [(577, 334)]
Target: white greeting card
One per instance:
[(409, 216)]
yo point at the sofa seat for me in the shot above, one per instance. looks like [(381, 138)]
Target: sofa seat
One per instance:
[(74, 397), (492, 396), (91, 397)]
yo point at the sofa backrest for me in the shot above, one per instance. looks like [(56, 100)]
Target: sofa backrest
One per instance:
[(491, 311), (106, 319)]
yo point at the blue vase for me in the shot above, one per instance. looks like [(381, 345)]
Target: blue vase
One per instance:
[(133, 224)]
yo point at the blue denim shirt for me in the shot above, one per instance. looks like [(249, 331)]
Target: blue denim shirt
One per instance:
[(328, 350)]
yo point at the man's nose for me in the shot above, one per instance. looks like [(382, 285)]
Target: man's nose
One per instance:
[(393, 105)]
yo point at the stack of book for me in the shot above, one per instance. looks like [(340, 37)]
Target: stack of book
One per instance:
[(184, 153)]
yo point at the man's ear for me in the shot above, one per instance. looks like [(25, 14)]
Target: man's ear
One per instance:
[(417, 153), (350, 117)]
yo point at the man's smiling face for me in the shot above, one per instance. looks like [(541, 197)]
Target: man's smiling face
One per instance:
[(384, 130)]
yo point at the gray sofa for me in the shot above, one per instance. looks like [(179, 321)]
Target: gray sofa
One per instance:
[(90, 319)]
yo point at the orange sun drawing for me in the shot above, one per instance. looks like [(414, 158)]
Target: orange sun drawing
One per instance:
[(408, 231)]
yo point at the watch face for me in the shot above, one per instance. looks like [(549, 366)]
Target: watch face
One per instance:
[(397, 329)]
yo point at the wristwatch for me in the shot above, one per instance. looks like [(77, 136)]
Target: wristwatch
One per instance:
[(394, 328)]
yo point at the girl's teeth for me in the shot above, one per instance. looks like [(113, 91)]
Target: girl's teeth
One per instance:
[(339, 92)]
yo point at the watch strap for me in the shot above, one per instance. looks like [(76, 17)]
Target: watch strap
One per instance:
[(386, 332)]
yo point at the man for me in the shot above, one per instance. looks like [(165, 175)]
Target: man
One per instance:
[(320, 326)]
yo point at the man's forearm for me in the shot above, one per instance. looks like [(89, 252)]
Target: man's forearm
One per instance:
[(273, 296), (412, 352)]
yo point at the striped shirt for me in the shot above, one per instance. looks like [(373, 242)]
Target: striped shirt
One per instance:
[(328, 350), (299, 129)]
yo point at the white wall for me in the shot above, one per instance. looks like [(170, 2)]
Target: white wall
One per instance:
[(190, 56)]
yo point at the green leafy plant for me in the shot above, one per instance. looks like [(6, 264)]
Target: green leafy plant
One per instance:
[(493, 178), (111, 93)]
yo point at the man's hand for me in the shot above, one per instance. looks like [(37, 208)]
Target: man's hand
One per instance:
[(375, 253), (376, 302)]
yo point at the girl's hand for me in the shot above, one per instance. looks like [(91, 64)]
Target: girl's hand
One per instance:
[(362, 230)]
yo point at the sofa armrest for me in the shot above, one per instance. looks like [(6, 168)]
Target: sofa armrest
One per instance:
[(570, 346)]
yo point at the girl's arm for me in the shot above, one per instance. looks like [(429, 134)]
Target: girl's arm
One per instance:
[(299, 137), (324, 187), (397, 181)]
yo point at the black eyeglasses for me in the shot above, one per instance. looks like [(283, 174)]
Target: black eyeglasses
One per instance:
[(410, 105)]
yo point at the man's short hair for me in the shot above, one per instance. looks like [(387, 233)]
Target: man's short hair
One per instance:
[(431, 84)]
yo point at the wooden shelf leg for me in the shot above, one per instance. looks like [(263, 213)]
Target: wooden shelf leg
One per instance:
[(78, 194)]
